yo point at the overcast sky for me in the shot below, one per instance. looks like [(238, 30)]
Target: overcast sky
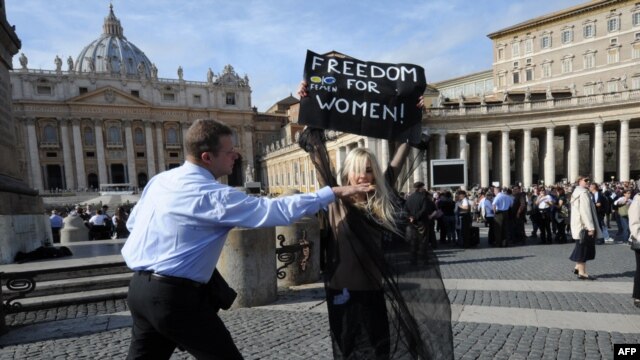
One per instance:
[(268, 40)]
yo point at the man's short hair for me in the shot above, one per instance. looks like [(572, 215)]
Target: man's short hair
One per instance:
[(204, 135), (418, 185)]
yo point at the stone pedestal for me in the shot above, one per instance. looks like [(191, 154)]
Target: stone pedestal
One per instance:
[(248, 264), (299, 260), (74, 230)]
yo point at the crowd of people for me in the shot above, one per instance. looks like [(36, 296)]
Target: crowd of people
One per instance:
[(101, 224)]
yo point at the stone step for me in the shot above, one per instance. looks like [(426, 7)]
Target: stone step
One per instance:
[(71, 298), (70, 285), (79, 272)]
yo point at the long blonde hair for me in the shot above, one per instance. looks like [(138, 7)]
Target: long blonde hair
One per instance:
[(379, 204)]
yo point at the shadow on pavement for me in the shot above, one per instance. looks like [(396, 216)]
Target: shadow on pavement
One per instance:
[(504, 258)]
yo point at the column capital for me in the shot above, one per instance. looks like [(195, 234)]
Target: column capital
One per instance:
[(550, 127), (75, 121), (573, 126), (126, 122), (625, 120), (63, 121), (30, 121), (97, 121), (599, 124)]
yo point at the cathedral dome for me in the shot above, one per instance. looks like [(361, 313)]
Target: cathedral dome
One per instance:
[(113, 53)]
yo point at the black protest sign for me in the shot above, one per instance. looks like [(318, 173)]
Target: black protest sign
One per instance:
[(364, 98)]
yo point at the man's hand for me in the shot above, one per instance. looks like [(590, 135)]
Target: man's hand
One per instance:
[(343, 192)]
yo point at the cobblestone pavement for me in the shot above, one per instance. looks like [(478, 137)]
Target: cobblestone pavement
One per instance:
[(283, 332)]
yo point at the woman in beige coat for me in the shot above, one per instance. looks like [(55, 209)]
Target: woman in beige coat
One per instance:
[(634, 227), (583, 216)]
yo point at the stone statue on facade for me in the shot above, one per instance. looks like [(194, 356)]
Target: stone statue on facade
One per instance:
[(140, 69), (69, 63), (505, 97), (210, 76), (572, 89), (440, 100), (180, 73), (483, 100), (600, 87), (461, 101), (23, 61), (92, 64), (123, 69), (246, 80), (549, 93), (109, 65), (248, 173), (154, 71), (527, 94), (58, 63), (623, 81)]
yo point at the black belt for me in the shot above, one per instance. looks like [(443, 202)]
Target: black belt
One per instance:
[(170, 279), (501, 211)]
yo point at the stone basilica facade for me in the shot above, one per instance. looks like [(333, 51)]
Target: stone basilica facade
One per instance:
[(105, 116), (562, 99)]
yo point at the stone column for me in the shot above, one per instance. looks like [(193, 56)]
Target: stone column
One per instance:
[(505, 160), (102, 165), (151, 156), (131, 160), (527, 164), (484, 160), (160, 146), (442, 145), (517, 159), (384, 154), (566, 156), (550, 159), (598, 154), (474, 160), (34, 155), (81, 176), (574, 159), (623, 172), (496, 161), (462, 147), (66, 154), (247, 146)]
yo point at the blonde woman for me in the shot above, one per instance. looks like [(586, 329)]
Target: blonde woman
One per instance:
[(370, 315)]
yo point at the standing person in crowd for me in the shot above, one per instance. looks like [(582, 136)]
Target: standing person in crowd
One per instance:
[(501, 205), (120, 223), (463, 218), (486, 210), (601, 203), (178, 229), (57, 222), (583, 216), (448, 219), (622, 208), (416, 208), (634, 227), (544, 203), (534, 214), (432, 214), (519, 212), (370, 315), (108, 223), (562, 215), (98, 226)]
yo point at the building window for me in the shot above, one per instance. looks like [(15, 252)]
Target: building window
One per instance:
[(589, 30), (515, 49), (528, 46), (114, 136), (502, 80), (90, 154), (545, 41), (589, 89), (50, 135), (635, 51), (197, 99), (43, 90), (528, 74), (635, 82), (170, 97), (567, 65), (89, 136), (135, 93), (501, 54), (172, 136), (82, 90), (635, 18), (516, 77), (138, 136), (546, 70), (589, 60), (140, 154), (613, 24), (613, 56), (567, 36), (612, 86), (231, 98)]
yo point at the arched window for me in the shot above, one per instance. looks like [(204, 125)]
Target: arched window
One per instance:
[(172, 136), (138, 136), (89, 136), (113, 136), (50, 135)]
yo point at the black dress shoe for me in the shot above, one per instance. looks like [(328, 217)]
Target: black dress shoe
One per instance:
[(587, 277)]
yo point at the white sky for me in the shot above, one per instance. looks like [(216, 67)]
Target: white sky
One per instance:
[(268, 40)]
